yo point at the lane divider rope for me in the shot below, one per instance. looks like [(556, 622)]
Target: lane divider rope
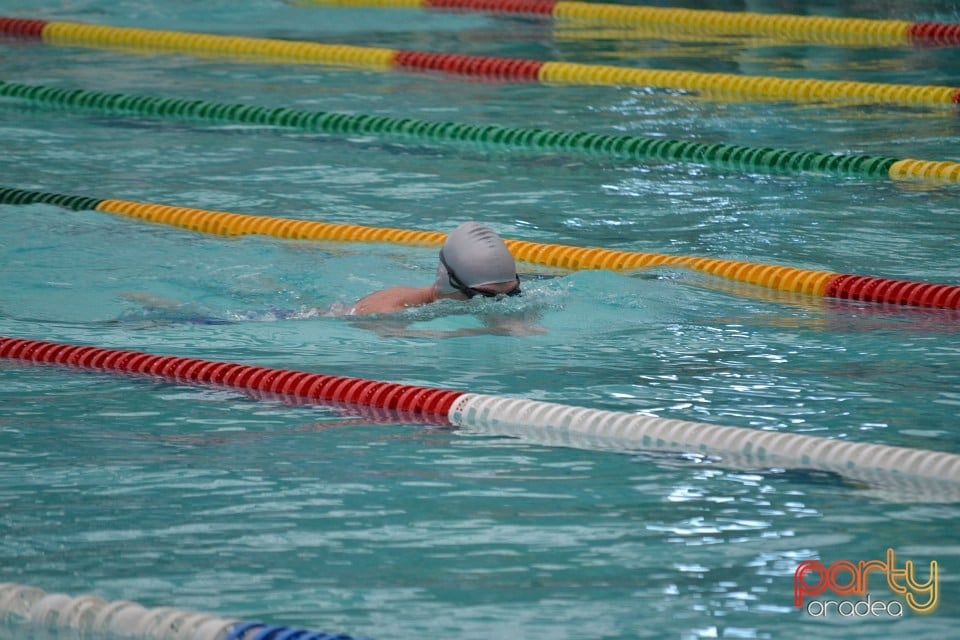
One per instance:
[(487, 413), (782, 278), (798, 28), (614, 146), (27, 607), (549, 73)]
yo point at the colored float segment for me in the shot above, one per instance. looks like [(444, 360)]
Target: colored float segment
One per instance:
[(260, 631), (421, 404), (617, 147), (527, 7), (900, 292), (781, 278), (224, 223), (720, 85), (22, 27), (510, 416), (487, 66), (459, 64), (925, 170), (934, 33), (76, 203), (735, 86), (78, 34), (664, 20)]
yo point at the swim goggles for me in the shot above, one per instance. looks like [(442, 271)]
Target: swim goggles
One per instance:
[(470, 292)]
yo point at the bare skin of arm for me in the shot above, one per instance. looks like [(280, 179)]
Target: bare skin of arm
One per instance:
[(399, 298), (394, 299)]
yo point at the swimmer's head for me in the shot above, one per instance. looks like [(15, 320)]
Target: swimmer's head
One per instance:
[(475, 256)]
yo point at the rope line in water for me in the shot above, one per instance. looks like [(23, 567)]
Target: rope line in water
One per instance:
[(617, 147), (823, 29), (782, 278), (418, 402), (486, 413), (87, 615), (719, 84)]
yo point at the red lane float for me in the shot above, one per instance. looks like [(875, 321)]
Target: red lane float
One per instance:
[(529, 7), (934, 33), (22, 27), (423, 404), (887, 291), (490, 67)]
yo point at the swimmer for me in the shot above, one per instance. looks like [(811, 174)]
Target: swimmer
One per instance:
[(474, 261)]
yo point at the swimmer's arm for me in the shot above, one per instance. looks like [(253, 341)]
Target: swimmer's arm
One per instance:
[(392, 300)]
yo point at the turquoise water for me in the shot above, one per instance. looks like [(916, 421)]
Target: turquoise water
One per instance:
[(210, 500)]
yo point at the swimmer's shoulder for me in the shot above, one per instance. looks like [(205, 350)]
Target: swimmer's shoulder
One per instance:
[(393, 299)]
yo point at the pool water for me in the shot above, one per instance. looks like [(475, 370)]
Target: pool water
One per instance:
[(212, 500)]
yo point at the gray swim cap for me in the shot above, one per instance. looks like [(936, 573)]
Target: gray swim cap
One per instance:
[(477, 255)]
